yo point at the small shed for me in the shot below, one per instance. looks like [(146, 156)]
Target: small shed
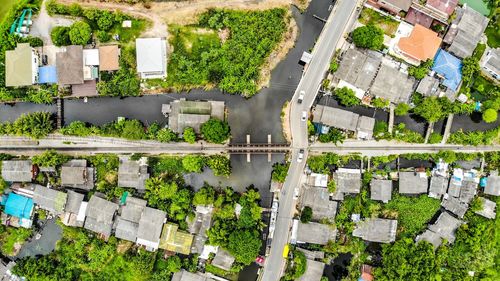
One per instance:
[(445, 226), (376, 230), (438, 187), (493, 184), (413, 183), (223, 259), (150, 226), (315, 233), (381, 190)]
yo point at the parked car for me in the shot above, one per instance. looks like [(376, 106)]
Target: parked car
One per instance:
[(301, 96), (304, 116), (301, 156)]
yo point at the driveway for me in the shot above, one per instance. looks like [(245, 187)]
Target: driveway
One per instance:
[(43, 24)]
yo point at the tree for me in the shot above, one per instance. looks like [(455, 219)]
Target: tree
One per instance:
[(158, 192), (431, 109), (244, 245), (215, 131), (60, 36), (80, 33), (105, 20), (334, 135), (347, 97), (220, 165), (333, 66), (420, 71), (470, 66), (280, 171), (50, 158), (36, 125), (369, 36), (204, 196), (296, 267), (402, 109), (435, 138), (490, 115), (380, 103), (306, 214), (166, 135), (192, 163), (189, 135)]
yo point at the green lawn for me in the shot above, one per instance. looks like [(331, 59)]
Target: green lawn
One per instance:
[(388, 24)]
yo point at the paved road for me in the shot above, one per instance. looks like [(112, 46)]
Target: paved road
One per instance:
[(310, 83)]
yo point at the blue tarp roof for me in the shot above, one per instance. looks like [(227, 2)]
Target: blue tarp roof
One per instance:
[(18, 206), (47, 74), (450, 67)]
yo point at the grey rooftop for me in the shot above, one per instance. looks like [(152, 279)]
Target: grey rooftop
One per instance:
[(223, 259), (318, 198), (315, 233), (376, 230), (466, 31), (488, 208), (17, 170), (438, 186), (430, 237), (99, 215), (455, 206), (413, 183), (314, 271), (493, 185), (358, 68), (445, 226), (348, 180), (393, 85), (133, 173), (50, 199), (381, 190)]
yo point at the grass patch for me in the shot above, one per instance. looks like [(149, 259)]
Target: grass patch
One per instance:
[(10, 236), (412, 213), (129, 34), (221, 272), (371, 17)]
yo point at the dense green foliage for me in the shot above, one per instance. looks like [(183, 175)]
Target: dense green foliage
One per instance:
[(233, 65), (9, 236), (170, 197), (60, 36), (296, 267), (420, 71), (334, 135), (490, 115), (36, 125), (369, 36), (220, 165), (346, 97), (474, 137), (193, 163), (280, 171), (79, 33), (189, 135), (50, 158), (402, 109), (435, 138), (123, 82), (400, 133), (306, 214), (380, 103), (215, 131), (431, 109)]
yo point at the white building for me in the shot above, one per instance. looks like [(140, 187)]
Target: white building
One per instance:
[(151, 57)]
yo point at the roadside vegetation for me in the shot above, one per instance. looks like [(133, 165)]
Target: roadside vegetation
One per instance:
[(386, 23)]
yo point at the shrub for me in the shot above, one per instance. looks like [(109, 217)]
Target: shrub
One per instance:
[(80, 33), (490, 115), (103, 36), (347, 97), (220, 165), (60, 36), (334, 135), (435, 138), (215, 131), (380, 103), (192, 163), (306, 214), (189, 135), (369, 36), (402, 109), (280, 172)]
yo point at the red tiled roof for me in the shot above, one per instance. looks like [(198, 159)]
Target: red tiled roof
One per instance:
[(422, 44), (445, 6)]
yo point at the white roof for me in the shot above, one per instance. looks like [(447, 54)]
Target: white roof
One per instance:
[(359, 93), (207, 250), (91, 56), (81, 212), (150, 54)]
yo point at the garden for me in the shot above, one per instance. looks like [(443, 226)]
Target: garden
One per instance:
[(386, 23)]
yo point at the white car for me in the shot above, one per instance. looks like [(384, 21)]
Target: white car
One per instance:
[(304, 116), (301, 156), (301, 96)]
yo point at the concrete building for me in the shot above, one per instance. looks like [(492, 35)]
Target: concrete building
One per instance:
[(223, 259), (381, 190), (17, 170), (133, 173), (317, 180), (100, 215), (318, 199), (493, 184), (127, 223), (348, 180), (413, 183), (76, 174), (75, 209), (357, 69), (454, 205), (109, 58), (445, 226), (392, 85), (21, 66), (345, 120), (431, 237), (184, 275), (151, 56), (488, 208), (70, 65), (199, 225), (465, 31), (490, 63), (314, 271), (182, 113), (150, 227), (49, 199), (376, 230), (314, 233), (438, 186), (428, 86)]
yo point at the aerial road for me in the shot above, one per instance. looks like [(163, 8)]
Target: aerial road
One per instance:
[(307, 90)]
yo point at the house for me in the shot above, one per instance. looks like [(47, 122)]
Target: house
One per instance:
[(182, 113), (19, 208), (426, 15), (438, 186), (344, 120), (199, 225), (314, 271), (446, 7), (431, 237), (17, 170), (376, 230), (151, 56), (87, 89), (392, 85), (428, 86), (133, 173), (6, 272), (421, 45), (69, 65), (49, 199), (465, 31), (184, 275), (150, 226), (487, 208), (223, 259), (314, 233), (449, 68), (76, 174), (99, 216), (174, 240), (381, 190), (493, 184), (413, 182), (348, 180), (74, 210), (454, 206), (127, 223), (445, 226), (317, 180), (109, 58), (392, 6), (468, 191), (21, 66), (90, 64), (318, 199), (357, 69), (455, 182), (490, 63)]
